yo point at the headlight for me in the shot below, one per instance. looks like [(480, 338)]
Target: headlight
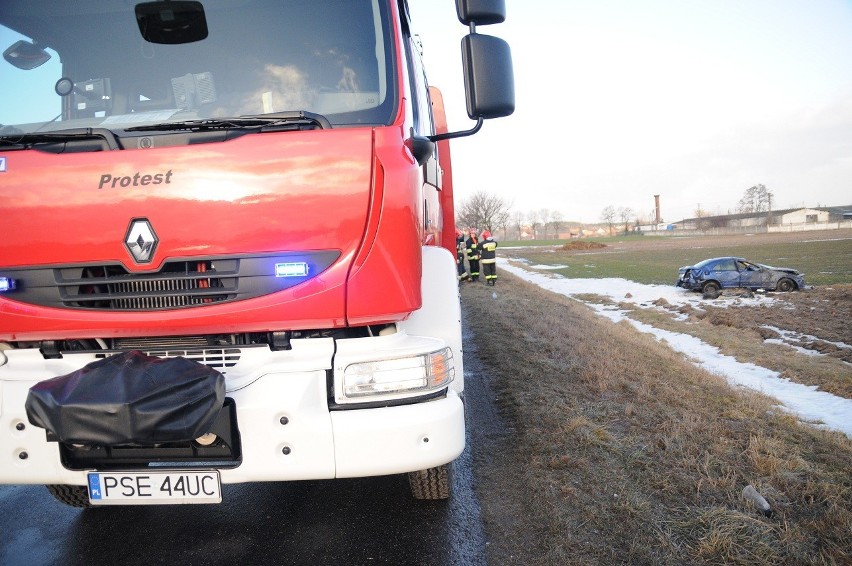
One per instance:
[(416, 374)]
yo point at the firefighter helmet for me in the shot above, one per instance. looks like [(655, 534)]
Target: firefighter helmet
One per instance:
[(486, 234)]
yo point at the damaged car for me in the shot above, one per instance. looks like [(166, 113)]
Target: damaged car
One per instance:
[(712, 275)]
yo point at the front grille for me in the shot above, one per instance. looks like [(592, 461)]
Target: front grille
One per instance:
[(218, 358), (178, 284), (214, 353)]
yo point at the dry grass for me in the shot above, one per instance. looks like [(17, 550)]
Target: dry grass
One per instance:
[(626, 453)]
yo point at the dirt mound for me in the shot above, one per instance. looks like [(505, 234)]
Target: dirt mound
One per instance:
[(582, 245)]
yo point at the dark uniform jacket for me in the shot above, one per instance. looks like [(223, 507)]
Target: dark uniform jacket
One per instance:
[(488, 249)]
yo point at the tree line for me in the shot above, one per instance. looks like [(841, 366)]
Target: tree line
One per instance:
[(484, 210)]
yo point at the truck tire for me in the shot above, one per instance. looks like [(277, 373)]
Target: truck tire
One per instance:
[(73, 495), (431, 484)]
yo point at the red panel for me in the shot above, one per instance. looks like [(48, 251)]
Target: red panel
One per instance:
[(385, 280)]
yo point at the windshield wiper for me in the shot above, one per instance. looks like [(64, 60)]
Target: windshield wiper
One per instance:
[(277, 121), (102, 138)]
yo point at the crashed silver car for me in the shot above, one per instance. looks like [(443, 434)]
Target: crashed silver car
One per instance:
[(711, 275)]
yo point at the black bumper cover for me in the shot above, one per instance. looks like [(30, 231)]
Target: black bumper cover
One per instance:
[(129, 398)]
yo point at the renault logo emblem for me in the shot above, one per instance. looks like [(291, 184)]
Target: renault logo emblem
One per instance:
[(141, 241)]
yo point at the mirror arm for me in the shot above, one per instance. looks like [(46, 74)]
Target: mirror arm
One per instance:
[(451, 135)]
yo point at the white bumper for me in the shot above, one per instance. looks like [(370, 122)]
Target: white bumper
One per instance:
[(265, 386)]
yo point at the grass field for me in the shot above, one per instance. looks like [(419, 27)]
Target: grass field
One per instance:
[(824, 257), (623, 452)]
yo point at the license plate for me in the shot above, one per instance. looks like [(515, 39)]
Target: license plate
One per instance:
[(154, 488)]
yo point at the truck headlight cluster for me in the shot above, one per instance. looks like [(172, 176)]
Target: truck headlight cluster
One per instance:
[(421, 374)]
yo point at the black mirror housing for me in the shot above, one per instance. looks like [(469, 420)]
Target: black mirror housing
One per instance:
[(26, 55), (481, 12), (488, 76), (171, 23)]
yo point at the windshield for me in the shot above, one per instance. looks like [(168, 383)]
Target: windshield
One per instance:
[(87, 63)]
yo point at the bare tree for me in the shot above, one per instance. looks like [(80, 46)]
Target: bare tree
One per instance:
[(534, 221), (700, 214), (544, 215), (755, 199), (556, 222), (624, 214), (518, 222), (482, 210), (501, 220), (608, 216)]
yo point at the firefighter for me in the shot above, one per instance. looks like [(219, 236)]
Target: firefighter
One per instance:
[(489, 258), (472, 245), (460, 253)]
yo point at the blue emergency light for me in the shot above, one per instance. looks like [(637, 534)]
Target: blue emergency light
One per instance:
[(6, 284), (291, 269)]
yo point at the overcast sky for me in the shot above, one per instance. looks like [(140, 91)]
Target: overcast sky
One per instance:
[(619, 100)]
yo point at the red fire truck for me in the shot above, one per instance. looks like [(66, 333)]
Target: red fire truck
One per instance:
[(227, 247)]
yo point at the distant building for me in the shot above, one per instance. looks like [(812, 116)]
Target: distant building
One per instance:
[(776, 220)]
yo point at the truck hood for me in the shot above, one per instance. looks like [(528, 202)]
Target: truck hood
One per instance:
[(260, 193), (263, 196)]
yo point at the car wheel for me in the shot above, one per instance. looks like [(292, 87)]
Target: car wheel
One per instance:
[(710, 288), (786, 285)]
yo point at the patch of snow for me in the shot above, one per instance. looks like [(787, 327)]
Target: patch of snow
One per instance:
[(790, 336), (805, 351)]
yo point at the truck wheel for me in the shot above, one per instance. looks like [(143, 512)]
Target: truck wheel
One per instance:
[(73, 495), (433, 483)]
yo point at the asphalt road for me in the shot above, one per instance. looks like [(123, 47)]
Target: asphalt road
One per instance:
[(352, 522), (363, 521)]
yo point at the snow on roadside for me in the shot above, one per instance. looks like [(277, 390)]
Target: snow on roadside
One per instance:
[(806, 401)]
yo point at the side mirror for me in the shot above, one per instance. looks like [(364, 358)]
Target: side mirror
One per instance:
[(481, 12), (26, 55), (489, 81), (488, 76)]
